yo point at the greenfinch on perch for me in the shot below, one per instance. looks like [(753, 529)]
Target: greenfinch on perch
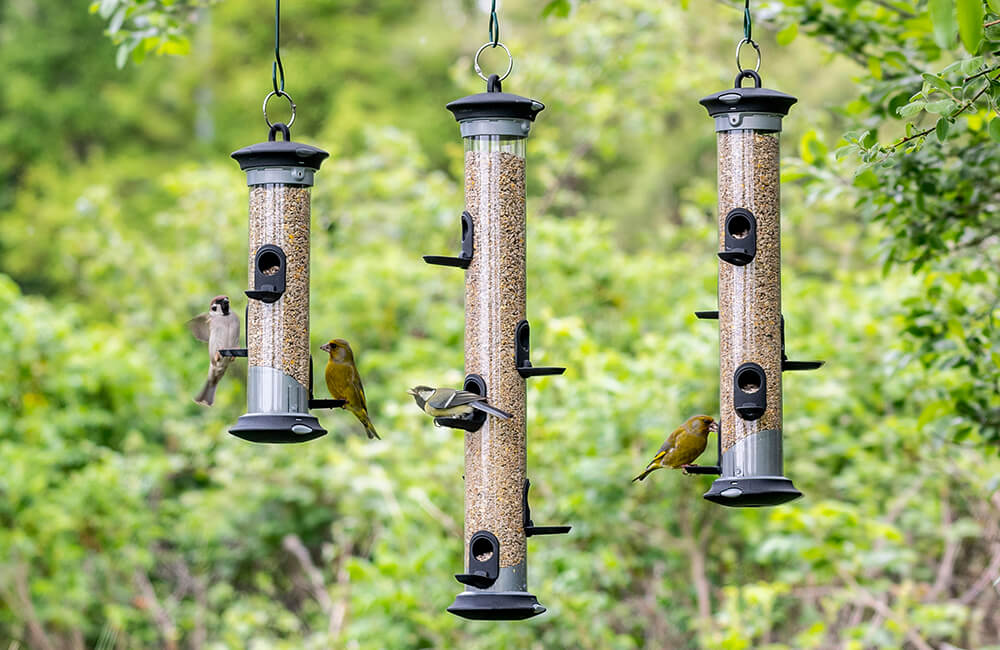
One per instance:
[(683, 446), (344, 382)]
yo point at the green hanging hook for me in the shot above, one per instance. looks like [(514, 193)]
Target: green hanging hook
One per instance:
[(747, 23), (494, 27), (277, 70)]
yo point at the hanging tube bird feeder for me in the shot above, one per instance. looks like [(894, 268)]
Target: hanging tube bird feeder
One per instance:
[(494, 127), (751, 332)]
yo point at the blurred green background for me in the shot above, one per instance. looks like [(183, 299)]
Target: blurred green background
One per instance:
[(129, 518)]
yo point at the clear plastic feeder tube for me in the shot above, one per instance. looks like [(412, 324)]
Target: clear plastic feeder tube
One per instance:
[(495, 293)]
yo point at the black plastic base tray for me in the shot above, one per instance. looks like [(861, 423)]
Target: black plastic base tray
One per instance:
[(752, 492), (496, 606), (277, 428)]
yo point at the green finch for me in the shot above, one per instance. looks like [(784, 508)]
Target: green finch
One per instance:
[(220, 328), (344, 383), (451, 403), (682, 446)]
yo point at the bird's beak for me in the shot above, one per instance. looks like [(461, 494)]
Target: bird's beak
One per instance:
[(714, 427), (225, 307), (325, 347), (410, 391)]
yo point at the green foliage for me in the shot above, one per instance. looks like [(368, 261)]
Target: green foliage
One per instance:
[(127, 512)]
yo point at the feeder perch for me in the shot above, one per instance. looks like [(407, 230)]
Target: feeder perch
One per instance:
[(465, 257), (522, 354), (748, 124), (279, 384), (494, 126)]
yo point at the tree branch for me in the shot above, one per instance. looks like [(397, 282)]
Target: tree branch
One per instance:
[(946, 570), (163, 622), (958, 111), (293, 544), (882, 609)]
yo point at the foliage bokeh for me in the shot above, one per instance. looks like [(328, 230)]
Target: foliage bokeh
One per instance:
[(132, 519)]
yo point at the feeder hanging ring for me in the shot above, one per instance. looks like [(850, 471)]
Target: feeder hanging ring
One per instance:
[(510, 61), (279, 93), (739, 48)]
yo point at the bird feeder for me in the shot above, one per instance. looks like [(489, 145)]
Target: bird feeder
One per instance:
[(494, 127), (751, 330), (279, 384)]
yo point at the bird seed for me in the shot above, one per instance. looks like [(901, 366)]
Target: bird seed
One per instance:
[(495, 289), (278, 332), (750, 296)]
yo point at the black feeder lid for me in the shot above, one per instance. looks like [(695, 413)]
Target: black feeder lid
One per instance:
[(748, 100), (280, 154), (495, 105)]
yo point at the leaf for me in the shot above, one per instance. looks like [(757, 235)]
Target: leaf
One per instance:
[(121, 56), (788, 34), (971, 66), (116, 21), (995, 129), (970, 23), (911, 109), (559, 8), (943, 18), (940, 107), (994, 6), (937, 82), (942, 129)]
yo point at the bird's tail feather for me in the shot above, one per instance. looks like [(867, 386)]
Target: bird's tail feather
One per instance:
[(206, 396), (492, 410), (649, 470), (366, 423)]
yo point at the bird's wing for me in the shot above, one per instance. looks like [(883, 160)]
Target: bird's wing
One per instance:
[(356, 381), (199, 327), (668, 446), (232, 324), (344, 383), (689, 447), (447, 398), (463, 397)]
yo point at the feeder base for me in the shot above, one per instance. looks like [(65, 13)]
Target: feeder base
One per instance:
[(277, 427), (752, 492), (496, 605)]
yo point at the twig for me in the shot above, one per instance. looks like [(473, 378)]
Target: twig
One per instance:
[(901, 12), (22, 598), (980, 74), (991, 23), (946, 570), (884, 610), (293, 544), (696, 555), (166, 626), (958, 111)]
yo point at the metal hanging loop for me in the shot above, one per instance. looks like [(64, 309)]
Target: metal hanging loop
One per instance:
[(279, 93), (739, 48), (510, 61)]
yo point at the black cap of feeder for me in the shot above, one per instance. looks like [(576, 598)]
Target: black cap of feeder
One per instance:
[(748, 124), (279, 383)]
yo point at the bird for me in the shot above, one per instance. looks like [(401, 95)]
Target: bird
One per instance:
[(220, 328), (451, 403), (683, 446), (344, 382)]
